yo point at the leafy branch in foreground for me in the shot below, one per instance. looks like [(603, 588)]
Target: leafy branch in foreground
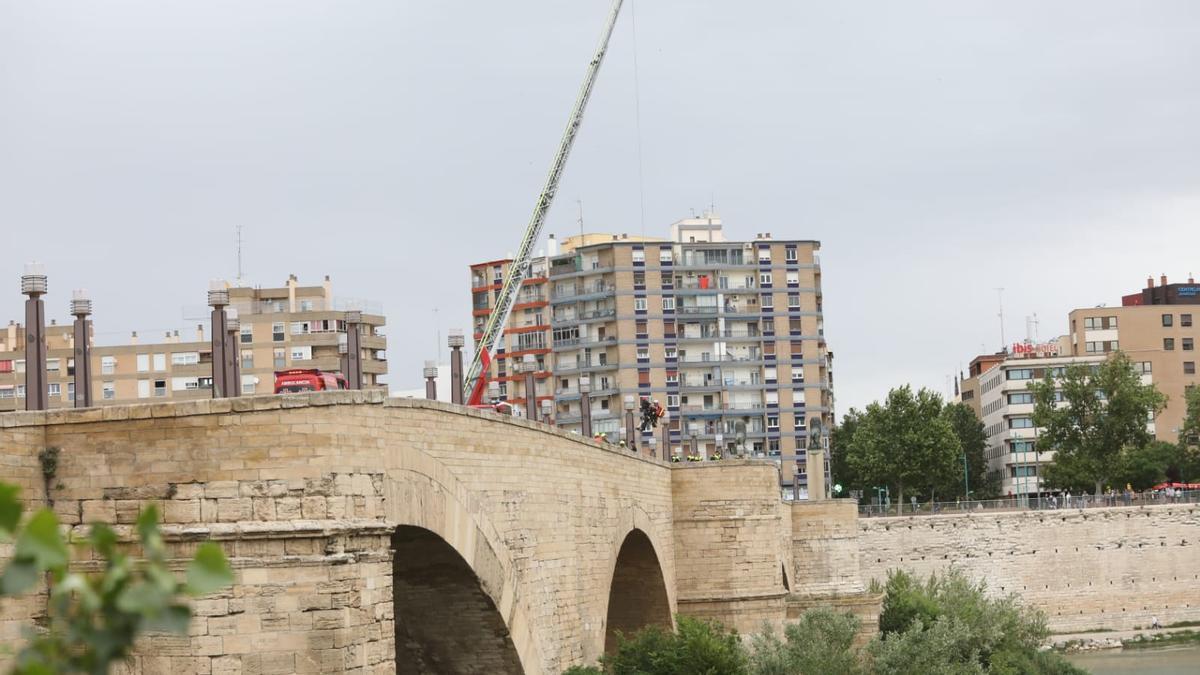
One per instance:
[(94, 618)]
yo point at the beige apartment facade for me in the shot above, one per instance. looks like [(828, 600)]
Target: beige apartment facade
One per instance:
[(728, 336), (291, 326), (1160, 338)]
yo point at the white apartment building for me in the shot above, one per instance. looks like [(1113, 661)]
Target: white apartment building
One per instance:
[(1006, 405)]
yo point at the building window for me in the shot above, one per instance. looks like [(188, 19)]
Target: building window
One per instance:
[(773, 422), (668, 304), (247, 334), (768, 301), (299, 328), (1188, 344), (160, 362), (1168, 344), (764, 255), (793, 278), (764, 278), (1144, 367), (248, 384), (1020, 423), (643, 353), (672, 400), (277, 332), (670, 352), (160, 388), (1020, 399), (639, 255), (143, 363), (70, 391), (143, 388), (6, 366), (639, 279), (1189, 367), (1167, 320), (1185, 320), (108, 390), (52, 365), (793, 301), (108, 364), (301, 352), (7, 391), (185, 358), (280, 358), (247, 359), (20, 391), (789, 254), (306, 306), (639, 304), (55, 389)]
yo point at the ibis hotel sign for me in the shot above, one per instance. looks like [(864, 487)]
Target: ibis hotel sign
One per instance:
[(1035, 350)]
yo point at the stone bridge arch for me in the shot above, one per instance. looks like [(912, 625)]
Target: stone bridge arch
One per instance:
[(639, 591), (455, 590)]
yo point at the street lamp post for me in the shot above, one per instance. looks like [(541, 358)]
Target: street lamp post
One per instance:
[(218, 298), (529, 366), (585, 405), (966, 479), (33, 284), (354, 378), (456, 341), (233, 354), (430, 372), (81, 309), (630, 429)]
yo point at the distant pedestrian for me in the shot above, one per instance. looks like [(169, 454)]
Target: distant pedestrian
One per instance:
[(1154, 622)]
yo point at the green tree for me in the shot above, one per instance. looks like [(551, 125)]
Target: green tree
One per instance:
[(949, 624), (973, 439), (696, 648), (906, 443), (93, 619), (1151, 464), (839, 447), (1189, 436), (1104, 411), (822, 641)]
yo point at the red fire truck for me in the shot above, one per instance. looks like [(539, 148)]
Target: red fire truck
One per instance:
[(301, 380)]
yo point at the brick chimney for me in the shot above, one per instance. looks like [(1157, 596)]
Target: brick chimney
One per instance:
[(1149, 282), (1163, 278)]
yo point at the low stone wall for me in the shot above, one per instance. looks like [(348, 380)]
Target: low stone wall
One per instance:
[(1111, 568)]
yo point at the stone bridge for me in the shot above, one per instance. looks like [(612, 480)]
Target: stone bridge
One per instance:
[(396, 535)]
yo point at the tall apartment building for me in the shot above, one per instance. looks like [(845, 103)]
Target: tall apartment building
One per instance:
[(1157, 328), (729, 336), (526, 333), (291, 326)]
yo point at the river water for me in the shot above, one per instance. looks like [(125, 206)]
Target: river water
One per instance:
[(1183, 660)]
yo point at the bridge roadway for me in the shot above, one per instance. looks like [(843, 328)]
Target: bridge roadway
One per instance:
[(397, 535)]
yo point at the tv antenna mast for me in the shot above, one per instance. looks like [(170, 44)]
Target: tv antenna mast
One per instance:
[(1000, 295)]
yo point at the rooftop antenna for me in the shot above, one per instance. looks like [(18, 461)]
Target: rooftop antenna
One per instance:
[(239, 255), (1000, 295), (580, 203), (437, 351), (1036, 324)]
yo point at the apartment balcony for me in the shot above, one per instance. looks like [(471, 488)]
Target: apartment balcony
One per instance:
[(580, 293), (578, 317), (723, 336), (374, 342), (705, 310), (597, 416), (328, 363), (580, 343), (572, 394), (595, 367), (322, 339)]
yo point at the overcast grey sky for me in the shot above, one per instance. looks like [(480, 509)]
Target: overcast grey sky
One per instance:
[(938, 149)]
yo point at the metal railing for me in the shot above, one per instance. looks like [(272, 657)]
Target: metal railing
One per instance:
[(1047, 502)]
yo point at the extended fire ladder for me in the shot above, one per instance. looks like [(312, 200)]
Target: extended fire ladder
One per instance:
[(493, 331)]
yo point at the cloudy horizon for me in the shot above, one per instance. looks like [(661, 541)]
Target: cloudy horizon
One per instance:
[(938, 150)]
